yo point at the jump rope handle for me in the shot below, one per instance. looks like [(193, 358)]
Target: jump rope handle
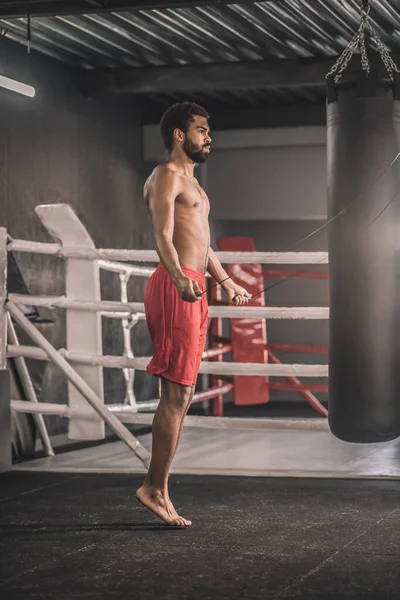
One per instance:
[(247, 297), (199, 294)]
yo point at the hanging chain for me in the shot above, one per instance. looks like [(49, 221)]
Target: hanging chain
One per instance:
[(358, 41), (387, 60)]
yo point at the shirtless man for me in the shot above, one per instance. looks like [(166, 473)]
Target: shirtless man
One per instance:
[(175, 302)]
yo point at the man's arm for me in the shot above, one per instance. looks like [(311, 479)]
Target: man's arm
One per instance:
[(236, 293), (162, 195), (216, 270)]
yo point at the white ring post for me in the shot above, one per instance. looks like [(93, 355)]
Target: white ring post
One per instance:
[(5, 411), (3, 297), (83, 329), (127, 324)]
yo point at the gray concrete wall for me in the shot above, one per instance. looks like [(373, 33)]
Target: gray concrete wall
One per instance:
[(268, 174), (62, 147), (272, 184)]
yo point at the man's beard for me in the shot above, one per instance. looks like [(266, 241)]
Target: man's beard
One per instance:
[(194, 153)]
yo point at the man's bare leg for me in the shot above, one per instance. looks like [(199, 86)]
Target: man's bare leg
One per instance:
[(167, 428), (160, 387), (180, 431), (173, 511), (183, 418)]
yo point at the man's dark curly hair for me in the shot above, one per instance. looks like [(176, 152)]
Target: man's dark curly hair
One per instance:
[(178, 116)]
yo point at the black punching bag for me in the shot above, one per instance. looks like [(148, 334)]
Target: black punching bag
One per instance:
[(363, 119)]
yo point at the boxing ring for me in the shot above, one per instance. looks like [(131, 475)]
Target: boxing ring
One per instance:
[(82, 362)]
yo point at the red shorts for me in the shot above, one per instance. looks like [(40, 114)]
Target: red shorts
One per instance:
[(178, 328)]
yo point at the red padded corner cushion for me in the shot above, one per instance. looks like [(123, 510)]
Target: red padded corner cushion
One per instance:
[(249, 336)]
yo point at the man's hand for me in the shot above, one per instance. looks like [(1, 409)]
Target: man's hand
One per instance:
[(188, 289), (237, 294)]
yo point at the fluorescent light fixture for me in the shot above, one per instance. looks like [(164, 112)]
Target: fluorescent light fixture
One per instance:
[(17, 86)]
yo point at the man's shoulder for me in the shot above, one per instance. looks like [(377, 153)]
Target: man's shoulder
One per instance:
[(159, 172), (164, 173), (165, 170), (163, 178)]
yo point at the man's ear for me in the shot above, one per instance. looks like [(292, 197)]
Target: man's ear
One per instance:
[(178, 135)]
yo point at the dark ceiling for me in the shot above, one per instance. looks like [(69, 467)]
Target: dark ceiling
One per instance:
[(226, 55)]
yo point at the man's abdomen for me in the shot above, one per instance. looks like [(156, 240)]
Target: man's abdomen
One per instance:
[(192, 244)]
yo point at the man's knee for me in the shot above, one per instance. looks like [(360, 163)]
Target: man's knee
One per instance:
[(177, 395)]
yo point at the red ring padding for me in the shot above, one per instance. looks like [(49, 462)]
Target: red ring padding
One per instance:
[(249, 336)]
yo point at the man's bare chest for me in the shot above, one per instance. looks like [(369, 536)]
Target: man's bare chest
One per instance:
[(193, 197)]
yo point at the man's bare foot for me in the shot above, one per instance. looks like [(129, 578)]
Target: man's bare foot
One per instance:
[(160, 506)]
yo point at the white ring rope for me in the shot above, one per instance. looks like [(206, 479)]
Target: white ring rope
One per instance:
[(269, 312), (234, 423), (123, 315), (122, 309), (123, 269), (283, 258), (63, 410), (210, 368)]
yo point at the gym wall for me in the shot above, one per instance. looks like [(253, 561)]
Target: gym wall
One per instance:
[(61, 147)]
